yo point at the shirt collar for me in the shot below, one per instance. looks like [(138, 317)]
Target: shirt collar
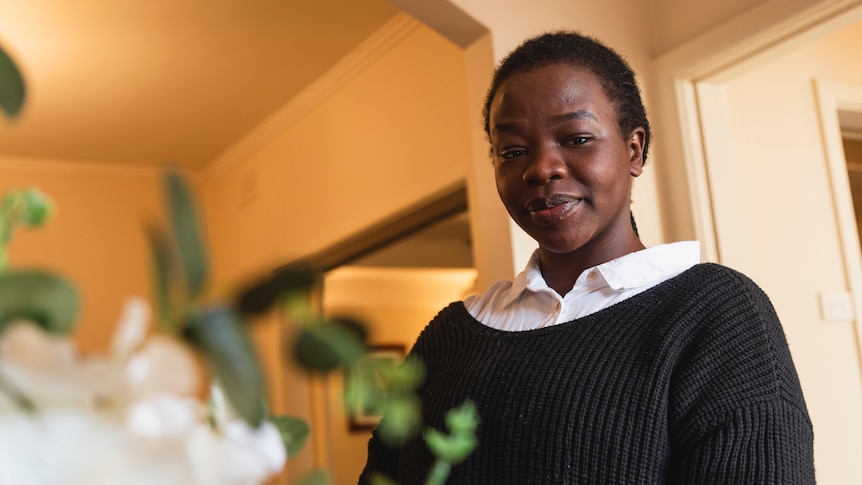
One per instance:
[(530, 279), (630, 271), (645, 266)]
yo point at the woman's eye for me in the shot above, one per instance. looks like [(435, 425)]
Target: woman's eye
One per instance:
[(512, 153), (578, 140)]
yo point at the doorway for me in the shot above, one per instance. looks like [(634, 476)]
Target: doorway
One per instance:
[(394, 277), (776, 194)]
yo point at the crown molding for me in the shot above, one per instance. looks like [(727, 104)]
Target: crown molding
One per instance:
[(342, 73), (78, 167)]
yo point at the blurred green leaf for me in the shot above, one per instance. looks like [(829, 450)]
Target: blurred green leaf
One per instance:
[(366, 385), (39, 296), (163, 270), (407, 376), (301, 277), (325, 345), (401, 419), (317, 477), (464, 418), (186, 230), (451, 448), (294, 432), (28, 207), (221, 335), (461, 440), (12, 91), (37, 208), (8, 218), (380, 479)]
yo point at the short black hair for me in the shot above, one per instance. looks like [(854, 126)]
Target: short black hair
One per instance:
[(615, 75)]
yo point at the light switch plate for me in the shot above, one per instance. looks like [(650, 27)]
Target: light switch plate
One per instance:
[(837, 306)]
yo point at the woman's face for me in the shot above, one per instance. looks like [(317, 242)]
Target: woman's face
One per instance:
[(563, 169)]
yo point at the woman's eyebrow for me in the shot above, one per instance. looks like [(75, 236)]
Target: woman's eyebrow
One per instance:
[(581, 114), (575, 115)]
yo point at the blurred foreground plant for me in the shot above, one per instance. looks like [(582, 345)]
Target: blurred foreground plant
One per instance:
[(12, 90), (133, 416), (338, 344)]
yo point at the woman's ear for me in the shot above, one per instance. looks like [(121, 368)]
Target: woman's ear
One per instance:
[(635, 143)]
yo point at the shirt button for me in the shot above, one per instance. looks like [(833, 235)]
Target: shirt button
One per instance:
[(592, 275)]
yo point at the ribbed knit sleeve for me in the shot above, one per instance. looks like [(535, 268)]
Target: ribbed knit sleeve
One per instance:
[(736, 410), (690, 382)]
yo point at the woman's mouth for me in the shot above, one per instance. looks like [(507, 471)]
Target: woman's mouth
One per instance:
[(552, 209)]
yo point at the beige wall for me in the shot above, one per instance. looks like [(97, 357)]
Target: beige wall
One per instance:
[(785, 233), (676, 22)]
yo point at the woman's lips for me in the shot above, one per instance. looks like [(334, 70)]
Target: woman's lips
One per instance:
[(553, 208)]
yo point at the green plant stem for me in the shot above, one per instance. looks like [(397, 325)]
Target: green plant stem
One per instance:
[(439, 473)]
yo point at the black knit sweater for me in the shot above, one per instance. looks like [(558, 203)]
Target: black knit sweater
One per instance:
[(690, 382)]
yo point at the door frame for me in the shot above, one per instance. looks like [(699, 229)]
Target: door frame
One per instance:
[(690, 94), (833, 97)]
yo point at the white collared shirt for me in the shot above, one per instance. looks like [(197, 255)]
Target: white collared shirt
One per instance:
[(528, 302)]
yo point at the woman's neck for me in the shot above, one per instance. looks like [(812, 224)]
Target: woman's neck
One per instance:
[(560, 271)]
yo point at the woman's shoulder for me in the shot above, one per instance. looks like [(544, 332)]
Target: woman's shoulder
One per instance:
[(725, 300), (712, 277), (716, 270), (453, 315), (710, 298)]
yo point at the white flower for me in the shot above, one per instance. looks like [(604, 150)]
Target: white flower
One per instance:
[(47, 369), (131, 417), (163, 416), (240, 455), (131, 328), (78, 447), (163, 365)]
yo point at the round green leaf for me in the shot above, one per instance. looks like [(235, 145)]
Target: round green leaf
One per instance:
[(37, 208), (294, 432), (38, 296), (325, 345), (400, 419), (463, 419)]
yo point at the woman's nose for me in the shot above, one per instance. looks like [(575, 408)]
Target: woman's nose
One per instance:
[(544, 165)]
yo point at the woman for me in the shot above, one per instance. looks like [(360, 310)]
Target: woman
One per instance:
[(604, 361)]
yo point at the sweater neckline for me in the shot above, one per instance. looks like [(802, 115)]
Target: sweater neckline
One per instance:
[(476, 326)]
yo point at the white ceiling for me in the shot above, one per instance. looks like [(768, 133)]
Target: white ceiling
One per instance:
[(145, 82)]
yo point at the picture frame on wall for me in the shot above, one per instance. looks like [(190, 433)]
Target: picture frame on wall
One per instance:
[(373, 368)]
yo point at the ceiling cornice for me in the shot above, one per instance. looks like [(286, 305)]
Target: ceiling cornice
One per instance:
[(368, 52), (59, 166)]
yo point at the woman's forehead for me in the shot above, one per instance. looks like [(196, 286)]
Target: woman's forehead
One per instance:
[(560, 89)]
